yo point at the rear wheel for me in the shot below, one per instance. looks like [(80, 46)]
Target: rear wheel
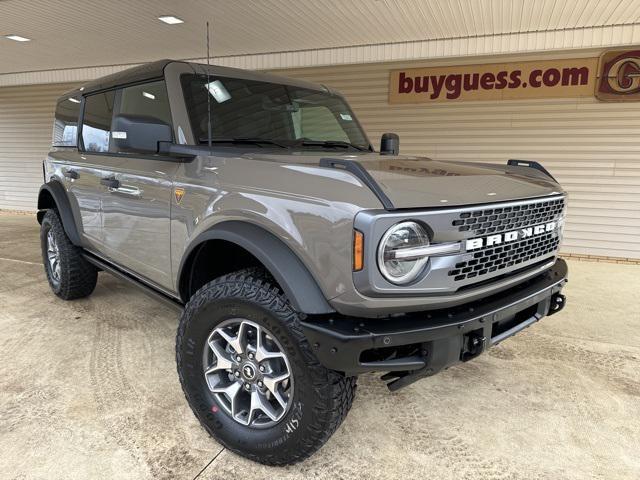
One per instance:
[(70, 276), (249, 373)]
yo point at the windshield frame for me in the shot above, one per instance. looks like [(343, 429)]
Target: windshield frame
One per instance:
[(295, 144)]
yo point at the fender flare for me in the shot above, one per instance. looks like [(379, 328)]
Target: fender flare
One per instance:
[(291, 274), (59, 195)]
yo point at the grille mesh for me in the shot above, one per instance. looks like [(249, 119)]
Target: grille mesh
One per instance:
[(505, 219), (496, 220), (498, 258)]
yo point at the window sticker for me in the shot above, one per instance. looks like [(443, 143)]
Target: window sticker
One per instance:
[(217, 91), (346, 117)]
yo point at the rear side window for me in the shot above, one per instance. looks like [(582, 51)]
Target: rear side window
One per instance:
[(65, 124), (96, 122)]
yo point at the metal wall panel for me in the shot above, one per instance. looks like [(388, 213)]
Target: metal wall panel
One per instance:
[(26, 122), (592, 148)]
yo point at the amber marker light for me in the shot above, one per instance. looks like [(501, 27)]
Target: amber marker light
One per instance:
[(358, 251)]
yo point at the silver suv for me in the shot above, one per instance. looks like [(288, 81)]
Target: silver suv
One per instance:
[(298, 256)]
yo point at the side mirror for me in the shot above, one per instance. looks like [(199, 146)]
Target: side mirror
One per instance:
[(139, 133), (389, 144)]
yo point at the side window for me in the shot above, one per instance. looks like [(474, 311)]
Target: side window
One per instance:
[(149, 100), (65, 124), (96, 122), (318, 123)]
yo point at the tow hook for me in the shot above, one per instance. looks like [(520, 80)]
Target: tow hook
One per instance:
[(474, 344), (557, 303)]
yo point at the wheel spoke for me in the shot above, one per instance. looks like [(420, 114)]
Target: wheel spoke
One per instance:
[(259, 402), (231, 391), (223, 362), (271, 383), (234, 341), (262, 353)]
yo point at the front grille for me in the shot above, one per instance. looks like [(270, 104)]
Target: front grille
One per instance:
[(504, 219), (500, 257)]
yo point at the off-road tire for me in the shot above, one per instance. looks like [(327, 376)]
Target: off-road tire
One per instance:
[(321, 398), (78, 277)]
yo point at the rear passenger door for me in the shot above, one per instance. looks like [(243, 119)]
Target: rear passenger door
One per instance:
[(83, 172), (136, 213)]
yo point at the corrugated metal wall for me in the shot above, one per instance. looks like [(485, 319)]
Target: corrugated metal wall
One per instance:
[(592, 148), (26, 122)]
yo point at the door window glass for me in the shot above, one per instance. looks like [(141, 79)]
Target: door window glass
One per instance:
[(96, 124), (149, 100), (65, 125)]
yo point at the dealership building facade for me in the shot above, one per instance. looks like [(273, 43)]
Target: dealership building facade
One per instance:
[(564, 99)]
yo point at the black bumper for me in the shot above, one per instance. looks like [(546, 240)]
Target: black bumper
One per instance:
[(421, 344)]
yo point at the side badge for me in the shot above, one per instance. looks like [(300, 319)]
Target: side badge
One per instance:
[(178, 193)]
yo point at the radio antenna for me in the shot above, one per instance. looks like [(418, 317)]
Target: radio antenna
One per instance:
[(208, 95)]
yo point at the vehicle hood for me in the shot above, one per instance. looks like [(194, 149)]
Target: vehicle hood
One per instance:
[(417, 182)]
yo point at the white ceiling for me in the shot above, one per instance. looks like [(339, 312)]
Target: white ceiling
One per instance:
[(72, 33)]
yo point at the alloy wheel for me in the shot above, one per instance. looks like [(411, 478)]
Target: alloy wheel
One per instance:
[(53, 256), (248, 373)]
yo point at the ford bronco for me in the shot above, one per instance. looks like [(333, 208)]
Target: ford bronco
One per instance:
[(297, 255)]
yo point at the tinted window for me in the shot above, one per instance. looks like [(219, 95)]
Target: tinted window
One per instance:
[(251, 109), (318, 123), (65, 125), (150, 100), (96, 125)]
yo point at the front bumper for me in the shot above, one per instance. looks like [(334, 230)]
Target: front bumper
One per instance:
[(416, 345)]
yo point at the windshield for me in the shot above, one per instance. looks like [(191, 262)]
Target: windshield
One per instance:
[(269, 114)]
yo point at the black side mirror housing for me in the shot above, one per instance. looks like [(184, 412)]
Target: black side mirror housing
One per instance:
[(389, 144), (139, 133)]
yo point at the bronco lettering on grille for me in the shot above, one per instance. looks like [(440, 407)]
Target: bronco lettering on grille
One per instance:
[(507, 237)]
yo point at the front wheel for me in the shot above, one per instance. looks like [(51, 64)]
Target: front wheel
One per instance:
[(250, 376)]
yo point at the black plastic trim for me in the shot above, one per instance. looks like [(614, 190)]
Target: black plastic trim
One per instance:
[(531, 164), (339, 341), (59, 194), (150, 290), (291, 274), (359, 171)]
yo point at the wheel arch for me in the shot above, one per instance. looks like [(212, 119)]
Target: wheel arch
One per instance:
[(275, 256), (52, 195)]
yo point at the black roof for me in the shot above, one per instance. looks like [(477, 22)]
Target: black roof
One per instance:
[(140, 73), (155, 70)]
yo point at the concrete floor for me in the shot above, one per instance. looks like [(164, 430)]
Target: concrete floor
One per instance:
[(88, 389)]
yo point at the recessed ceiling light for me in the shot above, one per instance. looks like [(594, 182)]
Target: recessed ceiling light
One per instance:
[(149, 95), (74, 100), (170, 19), (17, 38)]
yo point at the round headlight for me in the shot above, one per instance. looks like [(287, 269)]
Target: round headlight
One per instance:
[(397, 267)]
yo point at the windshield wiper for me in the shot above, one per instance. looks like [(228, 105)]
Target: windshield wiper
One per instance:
[(244, 140), (331, 144)]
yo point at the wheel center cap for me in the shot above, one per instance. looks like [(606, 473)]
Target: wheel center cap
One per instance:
[(248, 372)]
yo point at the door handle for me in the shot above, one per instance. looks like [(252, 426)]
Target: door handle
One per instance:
[(72, 174), (110, 182), (127, 190)]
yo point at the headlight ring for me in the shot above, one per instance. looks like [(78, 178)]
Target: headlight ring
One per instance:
[(393, 262)]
